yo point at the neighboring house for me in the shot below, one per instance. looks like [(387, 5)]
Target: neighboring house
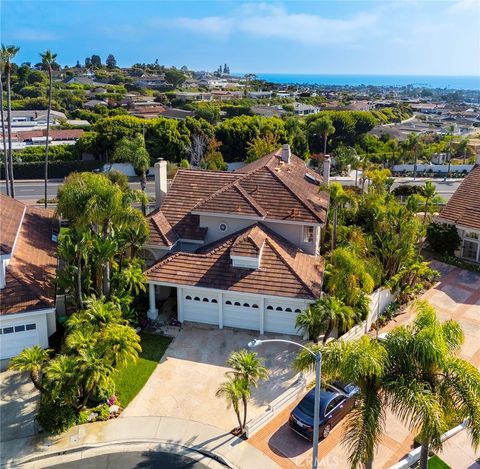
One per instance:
[(174, 113), (463, 211), (27, 271), (239, 249), (34, 118), (25, 138), (268, 111), (92, 103), (151, 81), (301, 109), (83, 81)]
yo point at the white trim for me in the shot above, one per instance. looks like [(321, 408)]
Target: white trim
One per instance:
[(220, 310), (258, 218), (26, 314), (243, 294), (262, 315)]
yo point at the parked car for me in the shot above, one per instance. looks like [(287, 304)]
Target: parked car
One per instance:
[(336, 400)]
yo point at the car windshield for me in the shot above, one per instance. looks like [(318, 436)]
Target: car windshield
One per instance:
[(306, 405)]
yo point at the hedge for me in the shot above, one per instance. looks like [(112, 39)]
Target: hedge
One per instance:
[(56, 169), (55, 153)]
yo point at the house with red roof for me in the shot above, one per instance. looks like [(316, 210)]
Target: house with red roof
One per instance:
[(238, 249), (463, 211), (27, 269)]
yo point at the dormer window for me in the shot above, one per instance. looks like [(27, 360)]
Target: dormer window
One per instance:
[(308, 234)]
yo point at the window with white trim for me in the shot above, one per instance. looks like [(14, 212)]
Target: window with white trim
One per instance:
[(308, 234)]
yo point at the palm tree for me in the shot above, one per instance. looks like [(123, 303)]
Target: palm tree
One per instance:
[(250, 369), (311, 322), (61, 376), (463, 148), (412, 142), (32, 359), (233, 390), (430, 198), (362, 362), (48, 58), (324, 127), (121, 344), (4, 136), (432, 382), (8, 53)]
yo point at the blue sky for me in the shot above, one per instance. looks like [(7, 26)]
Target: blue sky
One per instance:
[(411, 37)]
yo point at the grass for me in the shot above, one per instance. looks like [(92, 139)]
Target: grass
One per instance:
[(436, 463), (129, 380)]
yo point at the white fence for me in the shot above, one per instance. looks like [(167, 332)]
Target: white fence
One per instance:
[(379, 300), (434, 168)]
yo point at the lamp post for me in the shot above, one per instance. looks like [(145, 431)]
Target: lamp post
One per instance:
[(316, 407)]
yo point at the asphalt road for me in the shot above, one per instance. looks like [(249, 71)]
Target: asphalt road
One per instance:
[(128, 460), (34, 190)]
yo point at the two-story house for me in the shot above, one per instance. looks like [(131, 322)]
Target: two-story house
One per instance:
[(239, 249)]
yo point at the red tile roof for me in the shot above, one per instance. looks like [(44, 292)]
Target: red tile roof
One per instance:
[(266, 189), (61, 134), (31, 270), (11, 214), (463, 208), (284, 269)]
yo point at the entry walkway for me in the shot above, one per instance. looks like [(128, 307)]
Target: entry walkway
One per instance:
[(78, 442)]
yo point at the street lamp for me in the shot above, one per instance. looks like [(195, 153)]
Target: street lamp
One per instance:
[(316, 407)]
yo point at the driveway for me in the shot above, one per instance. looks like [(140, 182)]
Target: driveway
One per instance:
[(18, 404), (184, 383), (456, 296)]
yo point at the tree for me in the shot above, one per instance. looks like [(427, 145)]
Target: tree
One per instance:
[(111, 62), (443, 238), (213, 158), (8, 53), (249, 370), (96, 61), (233, 390), (412, 145), (432, 382), (261, 146), (323, 127), (430, 198), (32, 360), (48, 58), (4, 135), (174, 77), (362, 362)]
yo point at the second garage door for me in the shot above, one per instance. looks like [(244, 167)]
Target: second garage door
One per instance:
[(241, 314)]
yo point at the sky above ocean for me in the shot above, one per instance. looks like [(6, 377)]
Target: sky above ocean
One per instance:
[(389, 37)]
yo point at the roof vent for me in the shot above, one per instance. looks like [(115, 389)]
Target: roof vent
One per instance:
[(286, 153)]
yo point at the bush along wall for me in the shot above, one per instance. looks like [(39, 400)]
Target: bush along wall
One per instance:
[(56, 169)]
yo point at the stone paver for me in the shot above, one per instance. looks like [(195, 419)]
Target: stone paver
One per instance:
[(459, 454), (18, 405), (456, 296), (184, 383)]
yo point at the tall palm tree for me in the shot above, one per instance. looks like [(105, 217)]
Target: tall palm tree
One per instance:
[(31, 359), (413, 141), (233, 389), (432, 382), (430, 198), (251, 370), (324, 127), (61, 375), (121, 344), (2, 116), (450, 133), (9, 53), (362, 362), (311, 322), (48, 58)]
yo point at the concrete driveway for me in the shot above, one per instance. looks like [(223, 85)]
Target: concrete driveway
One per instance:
[(18, 405), (184, 383), (455, 296)]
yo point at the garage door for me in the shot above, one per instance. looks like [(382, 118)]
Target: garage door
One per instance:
[(15, 338), (200, 308), (241, 314), (281, 318)]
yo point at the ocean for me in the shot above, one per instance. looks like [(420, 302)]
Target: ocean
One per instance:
[(449, 82)]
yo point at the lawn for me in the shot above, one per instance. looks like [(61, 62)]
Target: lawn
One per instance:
[(129, 380), (436, 463)]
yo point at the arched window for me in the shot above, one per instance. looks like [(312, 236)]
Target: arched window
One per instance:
[(237, 303), (298, 311), (269, 307), (196, 298), (214, 300), (246, 305), (255, 306), (205, 300), (289, 310), (188, 297), (228, 302), (278, 308)]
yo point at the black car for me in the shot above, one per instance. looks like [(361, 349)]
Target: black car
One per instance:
[(335, 402)]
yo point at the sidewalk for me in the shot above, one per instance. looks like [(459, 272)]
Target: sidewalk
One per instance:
[(39, 451), (458, 453)]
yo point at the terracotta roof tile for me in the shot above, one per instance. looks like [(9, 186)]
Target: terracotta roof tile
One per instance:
[(284, 270), (11, 214), (31, 270), (463, 208)]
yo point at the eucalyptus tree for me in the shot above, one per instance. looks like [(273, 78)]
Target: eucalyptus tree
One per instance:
[(48, 58), (8, 53)]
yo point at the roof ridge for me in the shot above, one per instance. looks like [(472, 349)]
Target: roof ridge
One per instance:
[(249, 199), (164, 236)]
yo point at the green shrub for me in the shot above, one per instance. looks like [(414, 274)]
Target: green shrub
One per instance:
[(103, 412), (37, 153), (55, 416), (83, 417), (462, 263), (56, 169), (443, 238)]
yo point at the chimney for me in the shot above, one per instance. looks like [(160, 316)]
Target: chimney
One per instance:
[(326, 169), (286, 153), (160, 171)]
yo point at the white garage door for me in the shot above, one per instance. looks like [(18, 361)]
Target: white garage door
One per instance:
[(15, 338), (242, 314), (199, 307), (281, 318)]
